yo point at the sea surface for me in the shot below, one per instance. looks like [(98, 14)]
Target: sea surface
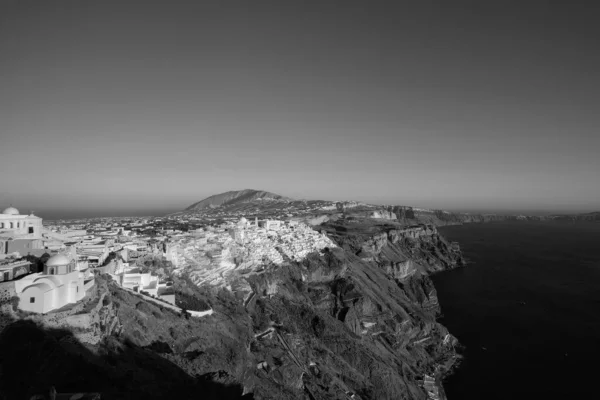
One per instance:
[(527, 310)]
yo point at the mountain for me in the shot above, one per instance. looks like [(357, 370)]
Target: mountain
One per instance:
[(251, 203), (254, 203), (235, 197)]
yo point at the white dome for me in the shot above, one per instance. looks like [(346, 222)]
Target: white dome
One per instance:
[(10, 211), (58, 259)]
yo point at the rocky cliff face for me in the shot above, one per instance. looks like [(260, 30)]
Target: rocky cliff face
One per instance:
[(410, 215), (395, 243), (358, 321), (588, 217)]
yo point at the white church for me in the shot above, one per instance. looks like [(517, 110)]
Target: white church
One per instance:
[(21, 226), (60, 283), (20, 233)]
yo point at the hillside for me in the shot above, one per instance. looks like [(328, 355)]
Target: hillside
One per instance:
[(357, 321), (235, 197)]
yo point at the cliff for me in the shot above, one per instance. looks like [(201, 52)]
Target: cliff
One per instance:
[(587, 217), (356, 321)]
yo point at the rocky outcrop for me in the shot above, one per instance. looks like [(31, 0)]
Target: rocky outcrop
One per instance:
[(340, 323), (390, 244), (346, 205), (104, 318), (382, 214), (356, 316), (317, 220), (409, 215)]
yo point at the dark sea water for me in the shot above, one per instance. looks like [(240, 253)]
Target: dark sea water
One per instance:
[(548, 347)]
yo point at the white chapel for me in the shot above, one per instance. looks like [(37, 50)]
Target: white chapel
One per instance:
[(59, 284)]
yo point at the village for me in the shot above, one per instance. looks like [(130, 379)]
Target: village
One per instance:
[(45, 267), (216, 256)]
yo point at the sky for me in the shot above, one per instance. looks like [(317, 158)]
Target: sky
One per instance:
[(122, 107)]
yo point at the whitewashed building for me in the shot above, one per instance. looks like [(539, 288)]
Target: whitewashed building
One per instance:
[(59, 284), (21, 226)]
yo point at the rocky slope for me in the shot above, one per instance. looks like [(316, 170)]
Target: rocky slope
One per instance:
[(235, 197), (358, 321)]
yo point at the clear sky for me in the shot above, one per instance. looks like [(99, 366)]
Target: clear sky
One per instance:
[(117, 106)]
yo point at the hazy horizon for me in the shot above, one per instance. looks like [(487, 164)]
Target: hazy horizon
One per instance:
[(117, 106), (54, 214)]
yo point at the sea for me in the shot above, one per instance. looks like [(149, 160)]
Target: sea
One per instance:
[(526, 309)]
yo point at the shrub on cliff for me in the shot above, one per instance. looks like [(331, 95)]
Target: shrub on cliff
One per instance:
[(15, 303), (190, 302)]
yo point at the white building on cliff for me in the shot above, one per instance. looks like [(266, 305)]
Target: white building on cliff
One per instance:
[(59, 284)]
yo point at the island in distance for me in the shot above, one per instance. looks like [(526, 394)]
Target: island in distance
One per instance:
[(235, 197), (250, 202), (246, 294)]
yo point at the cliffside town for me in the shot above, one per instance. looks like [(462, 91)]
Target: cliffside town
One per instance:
[(256, 299), (218, 256)]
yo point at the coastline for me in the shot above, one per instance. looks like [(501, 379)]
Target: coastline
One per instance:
[(527, 276)]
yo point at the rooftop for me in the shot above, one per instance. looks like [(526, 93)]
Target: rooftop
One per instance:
[(10, 211)]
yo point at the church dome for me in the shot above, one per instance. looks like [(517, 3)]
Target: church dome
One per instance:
[(58, 259), (10, 211)]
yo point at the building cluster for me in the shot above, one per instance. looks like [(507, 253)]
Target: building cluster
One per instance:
[(71, 255), (216, 256), (62, 282), (66, 276), (72, 252), (276, 209)]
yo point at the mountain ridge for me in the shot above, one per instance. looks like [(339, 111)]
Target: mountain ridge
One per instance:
[(259, 203), (233, 197)]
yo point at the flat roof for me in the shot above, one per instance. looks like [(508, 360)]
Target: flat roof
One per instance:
[(7, 216)]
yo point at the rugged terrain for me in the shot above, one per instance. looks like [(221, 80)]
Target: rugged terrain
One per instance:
[(358, 321)]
